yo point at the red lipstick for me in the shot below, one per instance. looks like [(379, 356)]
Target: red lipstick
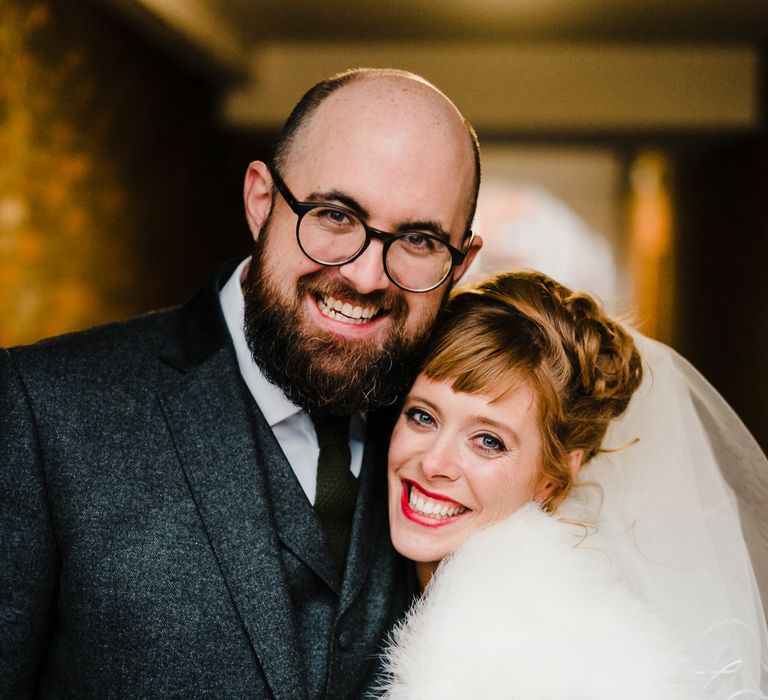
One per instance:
[(425, 520), (435, 496)]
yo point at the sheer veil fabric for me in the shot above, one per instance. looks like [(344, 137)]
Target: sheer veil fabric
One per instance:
[(681, 507)]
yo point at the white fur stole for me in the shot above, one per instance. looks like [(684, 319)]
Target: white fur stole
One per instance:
[(531, 609)]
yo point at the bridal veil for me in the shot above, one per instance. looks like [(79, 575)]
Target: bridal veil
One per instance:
[(682, 506)]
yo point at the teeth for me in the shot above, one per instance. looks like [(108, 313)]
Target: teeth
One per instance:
[(428, 506), (344, 311)]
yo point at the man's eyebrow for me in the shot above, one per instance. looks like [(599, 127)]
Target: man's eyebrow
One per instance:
[(334, 196), (427, 226), (337, 196)]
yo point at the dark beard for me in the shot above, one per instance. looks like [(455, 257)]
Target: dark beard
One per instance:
[(322, 372)]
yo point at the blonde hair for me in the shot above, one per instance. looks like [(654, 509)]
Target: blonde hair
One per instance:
[(525, 327)]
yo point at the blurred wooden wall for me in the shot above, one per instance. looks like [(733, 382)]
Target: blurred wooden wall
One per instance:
[(112, 175)]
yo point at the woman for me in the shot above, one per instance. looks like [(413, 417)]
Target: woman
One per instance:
[(621, 594)]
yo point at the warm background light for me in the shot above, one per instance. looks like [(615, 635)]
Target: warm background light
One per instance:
[(651, 251), (626, 150)]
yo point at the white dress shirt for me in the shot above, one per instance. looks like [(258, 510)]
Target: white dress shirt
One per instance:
[(290, 424)]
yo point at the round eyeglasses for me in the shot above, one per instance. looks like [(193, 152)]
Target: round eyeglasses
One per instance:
[(416, 261)]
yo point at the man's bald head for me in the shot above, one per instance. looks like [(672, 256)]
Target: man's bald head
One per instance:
[(378, 83)]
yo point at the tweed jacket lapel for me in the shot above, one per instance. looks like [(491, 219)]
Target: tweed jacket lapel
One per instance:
[(209, 417)]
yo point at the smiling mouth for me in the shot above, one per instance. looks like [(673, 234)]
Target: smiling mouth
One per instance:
[(345, 312), (427, 509)]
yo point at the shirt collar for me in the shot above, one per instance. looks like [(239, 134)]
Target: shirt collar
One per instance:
[(271, 400)]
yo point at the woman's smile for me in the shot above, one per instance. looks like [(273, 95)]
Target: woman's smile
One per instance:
[(428, 509)]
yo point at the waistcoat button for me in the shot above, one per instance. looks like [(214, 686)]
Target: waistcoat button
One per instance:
[(345, 640)]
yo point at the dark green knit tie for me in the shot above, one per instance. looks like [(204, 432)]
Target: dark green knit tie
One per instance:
[(336, 485)]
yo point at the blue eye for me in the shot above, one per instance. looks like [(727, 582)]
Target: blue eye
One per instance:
[(489, 444), (419, 417)]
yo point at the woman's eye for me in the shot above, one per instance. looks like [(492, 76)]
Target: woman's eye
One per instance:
[(489, 444), (419, 417)]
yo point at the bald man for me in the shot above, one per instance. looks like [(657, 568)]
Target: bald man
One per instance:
[(193, 502)]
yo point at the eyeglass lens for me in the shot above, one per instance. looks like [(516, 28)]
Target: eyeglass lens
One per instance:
[(333, 236)]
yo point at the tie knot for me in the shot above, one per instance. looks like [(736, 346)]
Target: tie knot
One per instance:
[(331, 429)]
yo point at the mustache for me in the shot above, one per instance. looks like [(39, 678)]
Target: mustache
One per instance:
[(317, 283)]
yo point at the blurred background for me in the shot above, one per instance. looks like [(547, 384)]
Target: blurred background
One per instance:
[(625, 148)]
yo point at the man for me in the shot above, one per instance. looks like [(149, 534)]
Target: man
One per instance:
[(170, 525)]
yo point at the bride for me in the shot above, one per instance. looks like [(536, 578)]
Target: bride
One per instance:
[(564, 553)]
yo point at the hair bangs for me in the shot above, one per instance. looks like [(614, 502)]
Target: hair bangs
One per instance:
[(477, 369)]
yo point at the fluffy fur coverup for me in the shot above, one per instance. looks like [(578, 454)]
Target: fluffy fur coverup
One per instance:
[(531, 609)]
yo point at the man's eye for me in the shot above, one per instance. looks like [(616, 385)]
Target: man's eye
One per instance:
[(489, 444), (418, 242), (334, 218), (419, 417)]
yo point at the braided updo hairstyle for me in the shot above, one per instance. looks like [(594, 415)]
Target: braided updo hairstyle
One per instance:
[(525, 327)]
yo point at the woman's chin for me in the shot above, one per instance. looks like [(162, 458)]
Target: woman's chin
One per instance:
[(424, 547), (423, 551)]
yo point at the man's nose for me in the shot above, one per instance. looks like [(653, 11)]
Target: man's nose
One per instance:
[(366, 273)]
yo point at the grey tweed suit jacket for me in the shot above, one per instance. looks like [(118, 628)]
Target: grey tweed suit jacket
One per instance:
[(155, 542)]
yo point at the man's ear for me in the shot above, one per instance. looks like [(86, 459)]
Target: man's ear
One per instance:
[(257, 194), (474, 249)]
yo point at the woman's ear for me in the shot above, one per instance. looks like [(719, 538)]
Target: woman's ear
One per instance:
[(545, 488), (543, 492), (257, 194), (575, 458)]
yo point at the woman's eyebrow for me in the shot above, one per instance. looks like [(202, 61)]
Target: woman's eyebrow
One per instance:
[(498, 425), (420, 399)]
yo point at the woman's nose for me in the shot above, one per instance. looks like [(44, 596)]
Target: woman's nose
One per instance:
[(366, 273), (439, 462)]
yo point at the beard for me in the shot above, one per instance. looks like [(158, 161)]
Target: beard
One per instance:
[(316, 370)]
